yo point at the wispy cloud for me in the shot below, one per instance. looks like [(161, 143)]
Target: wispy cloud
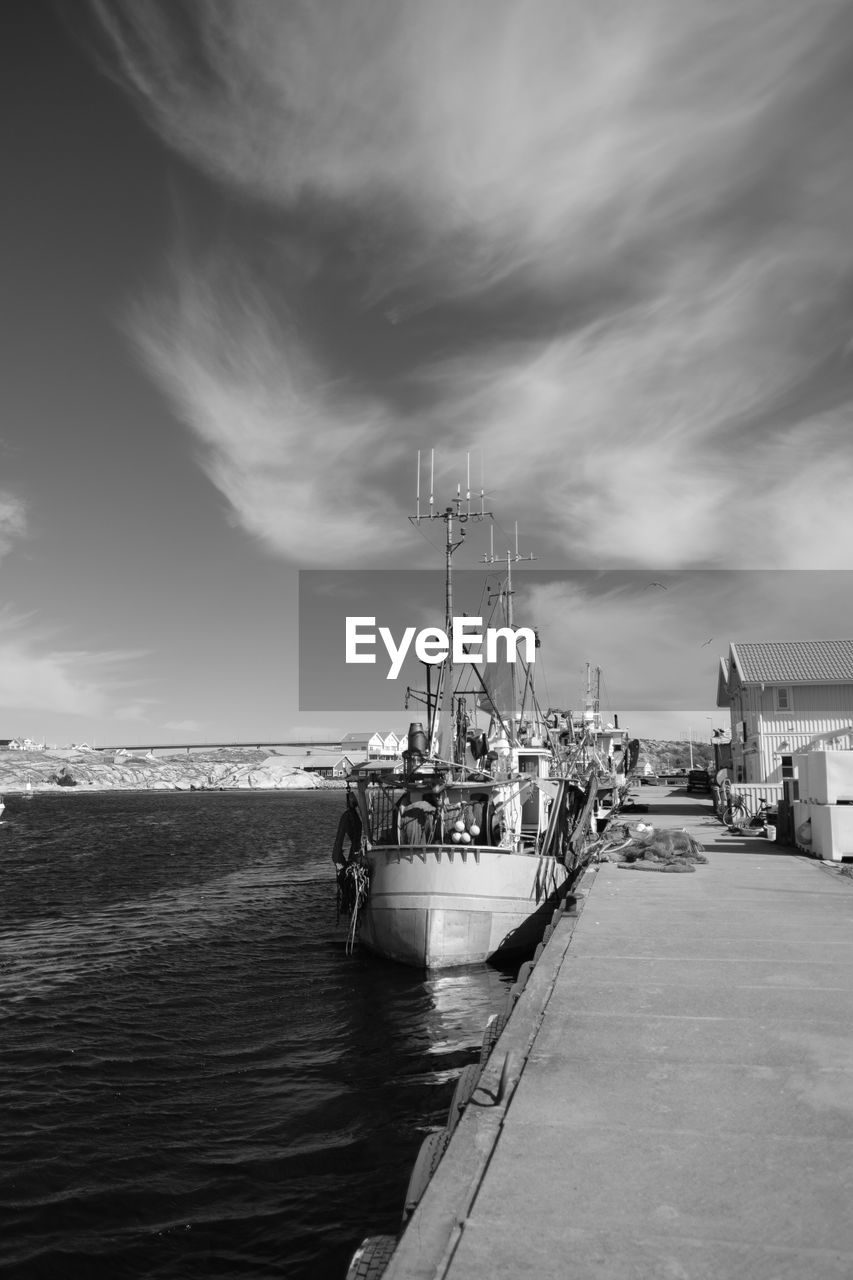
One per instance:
[(609, 248), (36, 676), (13, 520), (184, 726), (283, 442)]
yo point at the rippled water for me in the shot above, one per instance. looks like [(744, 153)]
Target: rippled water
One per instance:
[(195, 1081)]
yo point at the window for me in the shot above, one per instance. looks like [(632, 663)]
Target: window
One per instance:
[(787, 766), (783, 699)]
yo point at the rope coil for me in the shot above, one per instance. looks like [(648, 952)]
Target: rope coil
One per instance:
[(353, 891)]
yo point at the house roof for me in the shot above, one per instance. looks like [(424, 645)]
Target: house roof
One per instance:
[(794, 662), (321, 759), (384, 734)]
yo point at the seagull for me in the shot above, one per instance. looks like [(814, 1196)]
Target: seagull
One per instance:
[(705, 645), (656, 584)]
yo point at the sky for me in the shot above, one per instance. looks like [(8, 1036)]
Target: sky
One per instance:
[(256, 255)]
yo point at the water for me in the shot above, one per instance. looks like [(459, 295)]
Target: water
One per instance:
[(195, 1081)]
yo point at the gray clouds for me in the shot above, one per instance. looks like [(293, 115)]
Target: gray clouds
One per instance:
[(608, 245)]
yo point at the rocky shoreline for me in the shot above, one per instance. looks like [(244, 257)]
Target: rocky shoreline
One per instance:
[(72, 771)]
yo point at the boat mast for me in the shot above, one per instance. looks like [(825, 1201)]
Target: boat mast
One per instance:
[(510, 560), (444, 692)]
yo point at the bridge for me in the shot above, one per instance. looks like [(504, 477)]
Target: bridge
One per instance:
[(330, 745)]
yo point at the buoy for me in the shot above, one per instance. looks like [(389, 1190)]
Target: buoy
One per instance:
[(456, 837), (474, 829), (459, 825), (465, 838)]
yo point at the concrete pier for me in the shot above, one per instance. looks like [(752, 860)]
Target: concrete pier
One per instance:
[(672, 1098)]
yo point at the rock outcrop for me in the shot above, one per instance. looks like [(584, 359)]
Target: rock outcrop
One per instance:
[(223, 770)]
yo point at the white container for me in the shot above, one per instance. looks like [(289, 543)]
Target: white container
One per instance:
[(832, 831), (830, 776), (802, 826), (771, 832)]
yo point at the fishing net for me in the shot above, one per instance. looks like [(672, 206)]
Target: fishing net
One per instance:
[(646, 849)]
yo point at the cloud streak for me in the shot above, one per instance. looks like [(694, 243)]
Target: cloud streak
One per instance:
[(36, 677), (609, 248), (13, 520)]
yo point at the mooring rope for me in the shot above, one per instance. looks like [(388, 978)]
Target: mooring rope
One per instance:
[(353, 890)]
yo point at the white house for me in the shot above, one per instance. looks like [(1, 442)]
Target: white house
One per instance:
[(785, 697), (376, 746), (358, 743), (392, 744)]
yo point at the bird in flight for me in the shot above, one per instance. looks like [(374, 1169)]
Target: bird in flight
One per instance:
[(705, 645), (656, 584)]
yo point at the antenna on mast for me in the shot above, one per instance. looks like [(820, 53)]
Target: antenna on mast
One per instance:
[(452, 512), (510, 560)]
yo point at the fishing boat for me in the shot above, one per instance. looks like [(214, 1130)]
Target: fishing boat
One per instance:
[(460, 852), (601, 745)]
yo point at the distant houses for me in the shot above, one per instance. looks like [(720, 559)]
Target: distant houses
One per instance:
[(355, 749), (326, 764), (374, 746), (785, 698)]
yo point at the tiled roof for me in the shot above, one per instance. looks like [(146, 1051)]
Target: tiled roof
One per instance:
[(795, 662)]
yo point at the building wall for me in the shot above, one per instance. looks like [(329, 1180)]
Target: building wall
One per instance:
[(744, 735), (815, 710)]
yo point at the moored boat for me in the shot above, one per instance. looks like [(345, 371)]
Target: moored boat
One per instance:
[(464, 869), (460, 853)]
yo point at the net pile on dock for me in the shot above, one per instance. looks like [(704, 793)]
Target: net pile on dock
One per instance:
[(645, 849)]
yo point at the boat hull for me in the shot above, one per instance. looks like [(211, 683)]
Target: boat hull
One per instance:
[(434, 906)]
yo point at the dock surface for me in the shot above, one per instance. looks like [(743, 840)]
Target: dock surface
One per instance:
[(673, 1096)]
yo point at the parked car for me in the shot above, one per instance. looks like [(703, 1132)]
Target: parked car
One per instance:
[(698, 780)]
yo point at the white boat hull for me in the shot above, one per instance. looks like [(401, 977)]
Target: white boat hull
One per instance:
[(435, 906)]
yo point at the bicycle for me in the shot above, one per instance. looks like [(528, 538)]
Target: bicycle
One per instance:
[(737, 814)]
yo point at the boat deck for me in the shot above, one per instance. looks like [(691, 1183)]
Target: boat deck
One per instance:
[(673, 1095)]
